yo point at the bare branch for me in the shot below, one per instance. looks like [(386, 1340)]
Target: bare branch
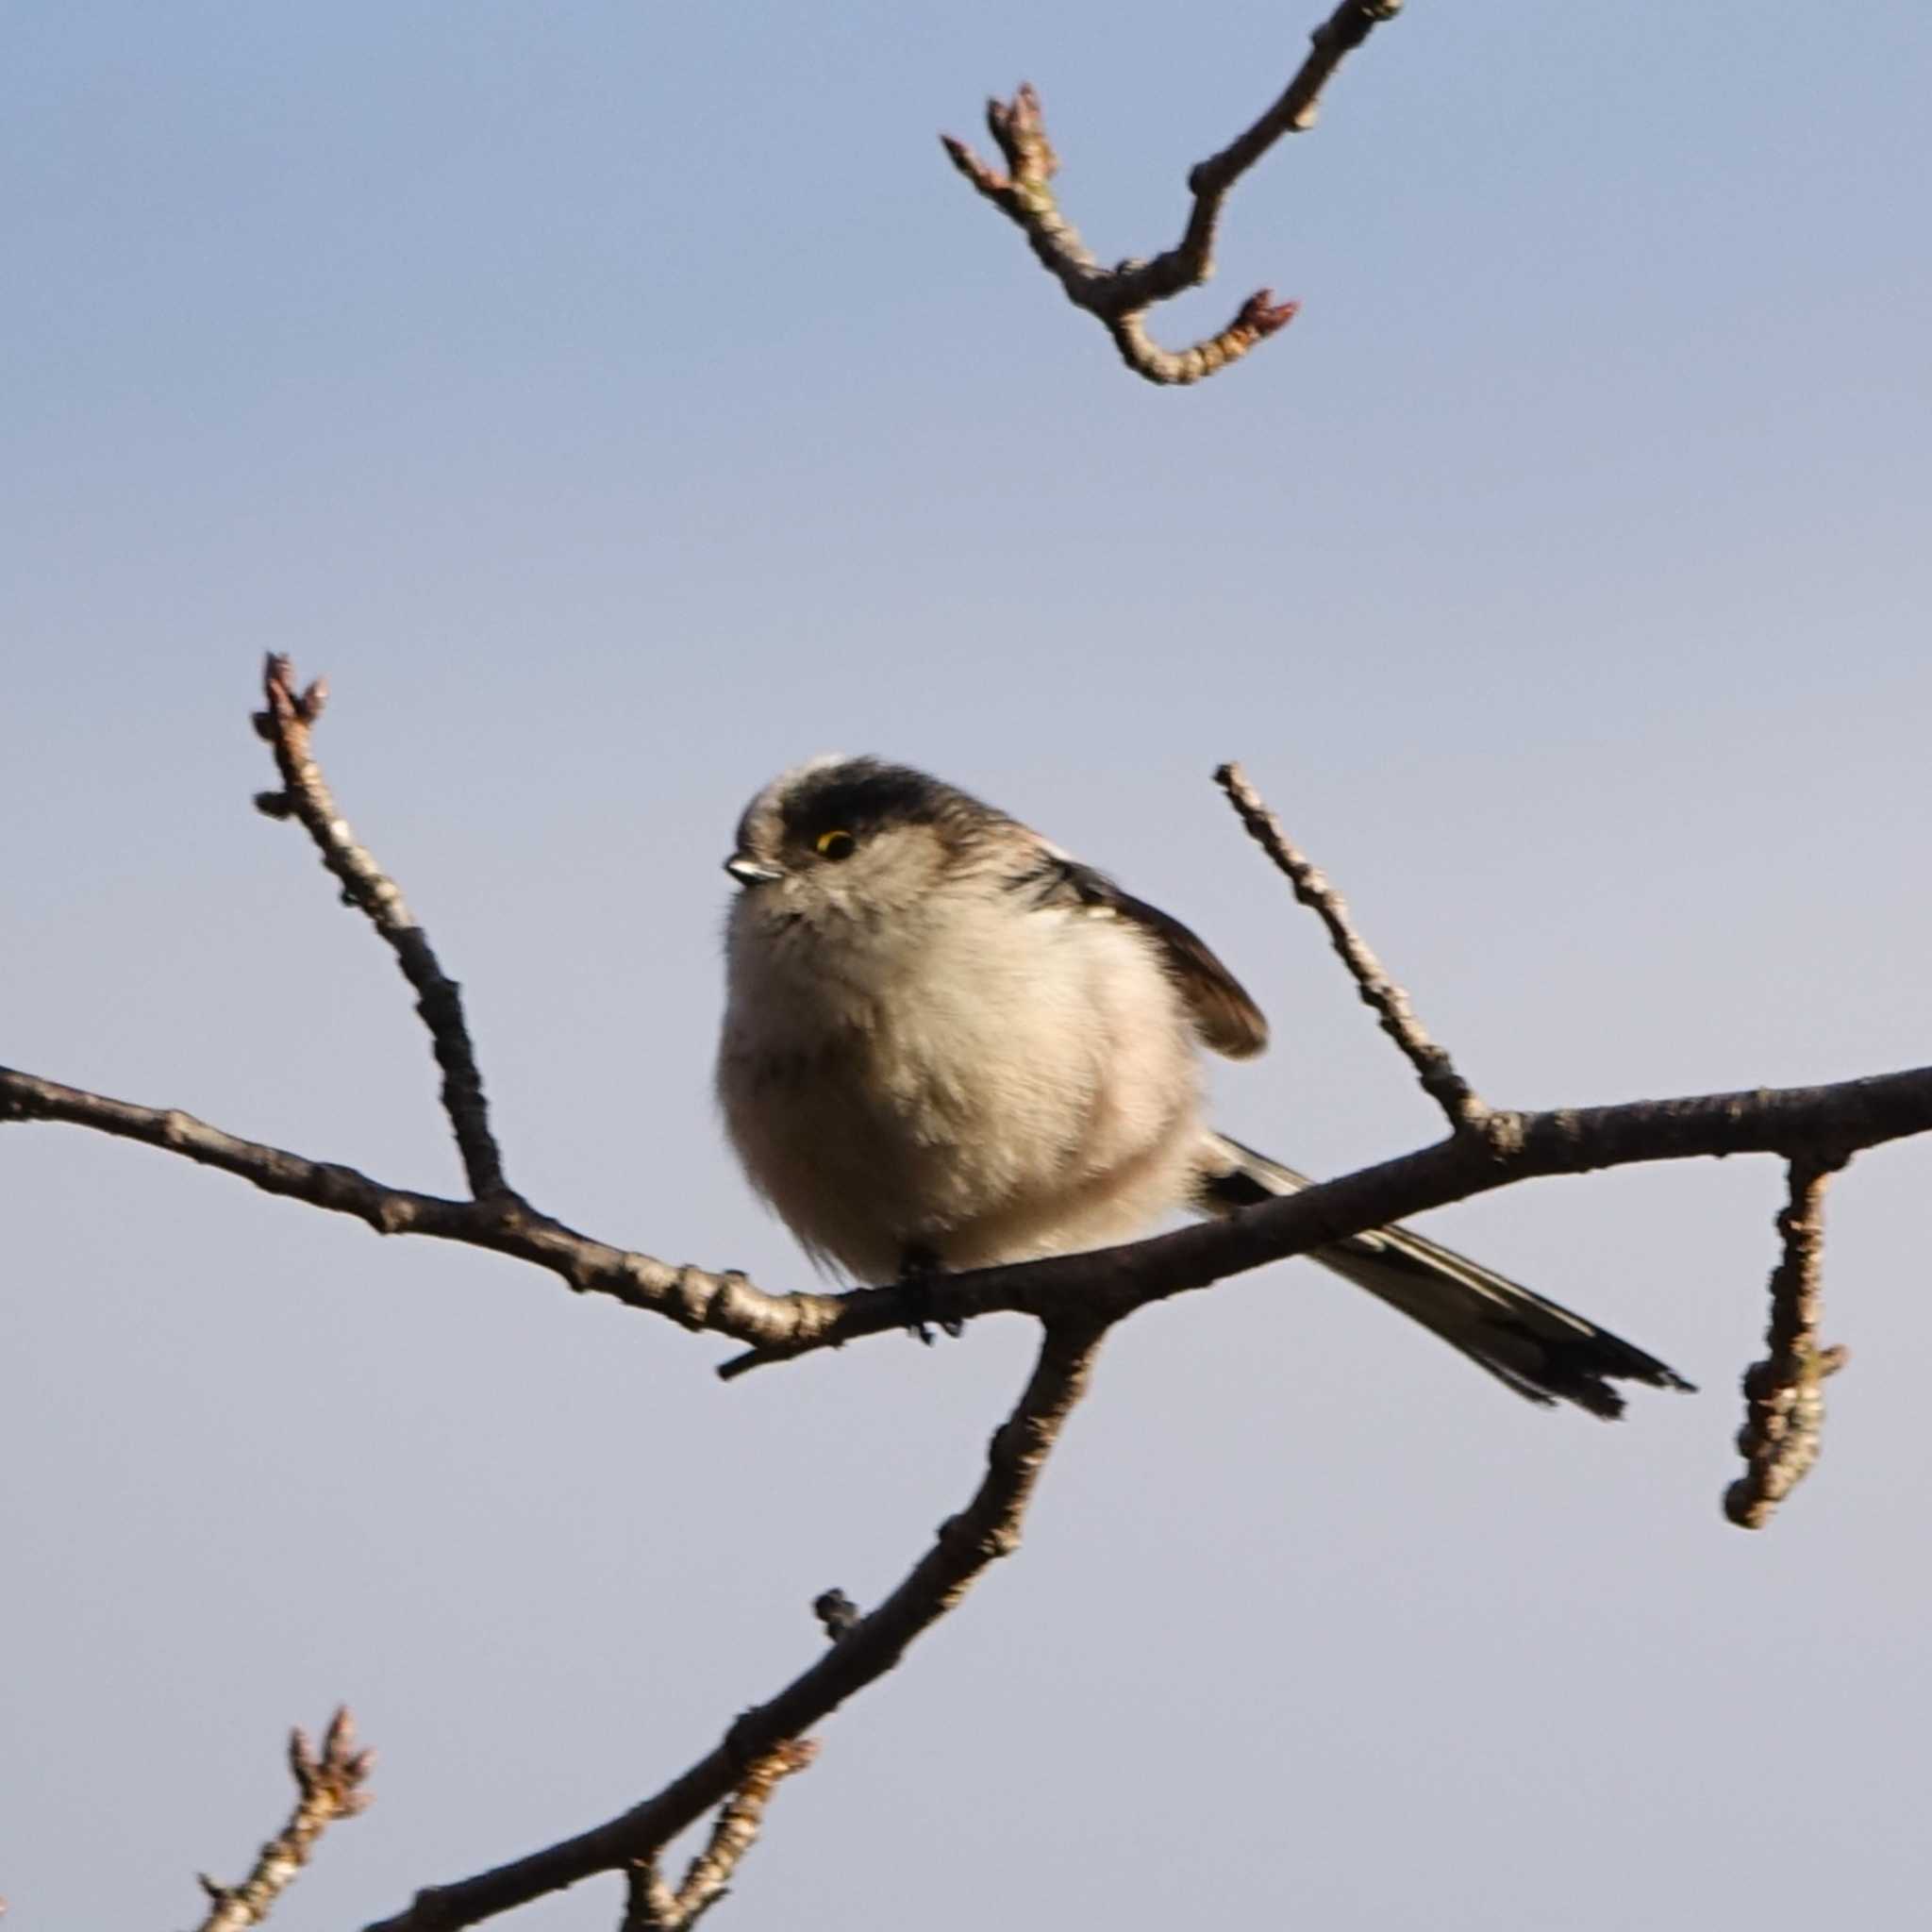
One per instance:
[(1111, 1282), (505, 1225), (1108, 1283), (1784, 1401), (328, 1787), (1119, 297), (986, 1529), (287, 724), (1458, 1099)]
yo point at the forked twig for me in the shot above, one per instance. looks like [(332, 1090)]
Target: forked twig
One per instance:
[(1119, 297), (328, 1787)]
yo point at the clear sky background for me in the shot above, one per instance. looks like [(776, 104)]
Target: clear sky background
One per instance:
[(621, 402)]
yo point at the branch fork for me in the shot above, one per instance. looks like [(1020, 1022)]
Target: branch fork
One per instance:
[(1119, 297), (330, 1786)]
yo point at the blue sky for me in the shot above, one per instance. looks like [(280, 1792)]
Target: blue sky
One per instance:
[(621, 403)]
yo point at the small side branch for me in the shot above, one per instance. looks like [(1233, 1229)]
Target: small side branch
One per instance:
[(1784, 1398), (287, 724), (836, 1612), (653, 1906), (1119, 297), (328, 1787), (1458, 1100), (967, 1544)]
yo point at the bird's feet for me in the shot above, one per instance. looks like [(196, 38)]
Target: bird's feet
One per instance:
[(919, 1275)]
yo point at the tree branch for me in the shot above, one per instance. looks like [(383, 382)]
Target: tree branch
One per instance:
[(1784, 1402), (287, 724), (1108, 1283), (328, 1787), (967, 1544), (1119, 297), (503, 1225), (1458, 1099), (1111, 1282)]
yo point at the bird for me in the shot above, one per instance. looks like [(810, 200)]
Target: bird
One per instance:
[(947, 1044)]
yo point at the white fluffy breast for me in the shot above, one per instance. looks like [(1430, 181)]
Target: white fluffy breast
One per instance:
[(979, 1076)]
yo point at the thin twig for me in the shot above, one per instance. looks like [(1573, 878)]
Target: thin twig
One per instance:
[(986, 1529), (1784, 1400), (1108, 1283), (737, 1829), (1458, 1100), (1119, 297), (287, 724), (327, 1786), (649, 1902)]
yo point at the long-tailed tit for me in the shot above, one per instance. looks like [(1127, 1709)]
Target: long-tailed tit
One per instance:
[(948, 1045)]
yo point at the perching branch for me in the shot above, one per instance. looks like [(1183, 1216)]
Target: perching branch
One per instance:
[(327, 1786), (1109, 1283), (1112, 1283), (1458, 1099), (1784, 1401), (967, 1544), (1119, 297)]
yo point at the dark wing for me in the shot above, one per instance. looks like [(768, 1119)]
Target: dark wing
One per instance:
[(1224, 1015)]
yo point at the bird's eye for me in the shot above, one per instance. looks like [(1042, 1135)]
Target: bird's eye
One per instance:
[(836, 844)]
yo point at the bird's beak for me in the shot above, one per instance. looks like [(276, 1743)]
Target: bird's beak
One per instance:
[(748, 871)]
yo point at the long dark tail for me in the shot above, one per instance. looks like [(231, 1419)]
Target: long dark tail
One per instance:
[(1541, 1350)]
